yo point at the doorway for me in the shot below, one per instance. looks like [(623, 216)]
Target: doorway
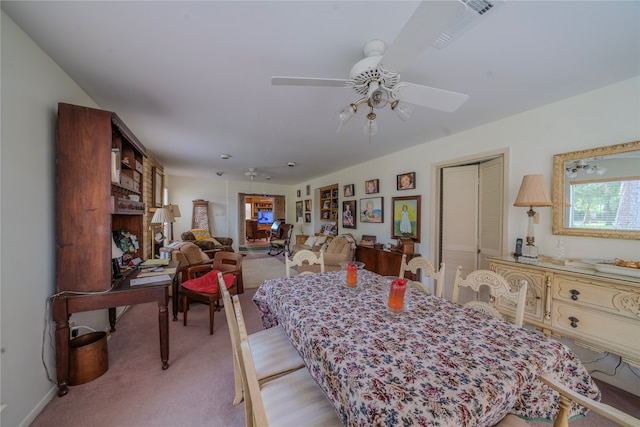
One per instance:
[(266, 208), (470, 215)]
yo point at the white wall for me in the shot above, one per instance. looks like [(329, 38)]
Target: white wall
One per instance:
[(32, 85)]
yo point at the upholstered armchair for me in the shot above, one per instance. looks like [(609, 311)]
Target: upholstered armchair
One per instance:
[(206, 242), (188, 255), (342, 248)]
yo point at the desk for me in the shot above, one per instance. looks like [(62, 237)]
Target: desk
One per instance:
[(121, 295), (437, 364)]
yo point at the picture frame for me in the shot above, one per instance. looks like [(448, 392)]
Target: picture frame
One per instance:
[(406, 181), (372, 186), (349, 214), (349, 190), (325, 215), (299, 209), (298, 193), (406, 217), (307, 205), (307, 217), (308, 190), (326, 205), (372, 210), (158, 185)]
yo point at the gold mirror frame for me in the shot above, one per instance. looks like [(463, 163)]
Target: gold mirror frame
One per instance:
[(559, 196)]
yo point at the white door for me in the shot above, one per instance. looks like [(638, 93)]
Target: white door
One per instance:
[(471, 220), (459, 223), (490, 210)]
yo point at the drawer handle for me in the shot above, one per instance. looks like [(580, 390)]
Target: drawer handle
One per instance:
[(574, 322), (574, 294)]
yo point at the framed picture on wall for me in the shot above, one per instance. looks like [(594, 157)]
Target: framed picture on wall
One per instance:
[(307, 205), (349, 190), (371, 186), (307, 217), (371, 210), (308, 190), (158, 184), (299, 210), (406, 181), (406, 217), (298, 193), (349, 214)]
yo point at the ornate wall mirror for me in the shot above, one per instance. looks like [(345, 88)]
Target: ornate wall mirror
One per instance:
[(596, 192)]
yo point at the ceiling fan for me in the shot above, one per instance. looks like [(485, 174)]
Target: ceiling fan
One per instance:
[(377, 77)]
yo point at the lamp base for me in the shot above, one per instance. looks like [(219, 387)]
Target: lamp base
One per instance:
[(530, 251)]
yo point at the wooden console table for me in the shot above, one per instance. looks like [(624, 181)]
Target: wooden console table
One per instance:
[(122, 294), (385, 263), (600, 311)]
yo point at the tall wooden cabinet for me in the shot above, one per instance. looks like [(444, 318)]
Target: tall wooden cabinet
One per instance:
[(98, 166)]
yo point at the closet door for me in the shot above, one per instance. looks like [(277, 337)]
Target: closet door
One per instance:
[(459, 224), (491, 211)]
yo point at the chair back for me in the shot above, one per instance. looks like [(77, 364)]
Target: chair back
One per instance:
[(302, 256), (428, 272), (227, 262), (498, 288), (229, 311)]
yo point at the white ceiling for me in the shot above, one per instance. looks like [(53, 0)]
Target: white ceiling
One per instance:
[(192, 79)]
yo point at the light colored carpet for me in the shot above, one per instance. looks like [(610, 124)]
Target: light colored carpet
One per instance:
[(256, 271)]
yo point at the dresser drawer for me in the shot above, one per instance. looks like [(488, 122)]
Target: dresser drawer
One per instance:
[(620, 300), (598, 330)]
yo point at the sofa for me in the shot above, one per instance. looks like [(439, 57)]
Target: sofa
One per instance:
[(206, 242), (313, 243), (341, 248)]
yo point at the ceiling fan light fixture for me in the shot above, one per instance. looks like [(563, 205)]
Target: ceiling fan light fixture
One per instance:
[(402, 109)]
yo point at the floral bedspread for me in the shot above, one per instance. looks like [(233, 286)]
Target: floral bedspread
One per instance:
[(435, 364)]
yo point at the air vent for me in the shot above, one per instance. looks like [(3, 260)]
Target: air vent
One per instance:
[(474, 10)]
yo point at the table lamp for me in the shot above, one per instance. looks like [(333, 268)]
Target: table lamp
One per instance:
[(532, 193), (116, 253), (175, 211), (161, 216)]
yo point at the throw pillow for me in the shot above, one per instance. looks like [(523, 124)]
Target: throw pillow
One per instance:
[(310, 241), (212, 240), (209, 282), (320, 240), (201, 234)]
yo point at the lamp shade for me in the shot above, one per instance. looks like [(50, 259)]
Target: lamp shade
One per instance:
[(175, 210), (301, 220), (533, 192), (161, 216)]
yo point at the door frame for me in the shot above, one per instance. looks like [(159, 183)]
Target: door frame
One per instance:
[(436, 185)]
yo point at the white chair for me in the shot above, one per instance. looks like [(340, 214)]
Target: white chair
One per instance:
[(303, 256), (498, 288), (294, 399), (428, 271), (567, 395), (274, 355)]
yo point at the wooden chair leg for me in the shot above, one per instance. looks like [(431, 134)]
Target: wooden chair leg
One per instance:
[(212, 310), (185, 308)]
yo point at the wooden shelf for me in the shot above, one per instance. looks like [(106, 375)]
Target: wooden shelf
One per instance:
[(329, 209)]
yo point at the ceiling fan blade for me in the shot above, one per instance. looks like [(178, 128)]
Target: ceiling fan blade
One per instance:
[(307, 81), (429, 20), (439, 99)]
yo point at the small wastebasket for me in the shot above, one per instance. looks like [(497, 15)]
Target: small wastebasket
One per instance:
[(88, 357)]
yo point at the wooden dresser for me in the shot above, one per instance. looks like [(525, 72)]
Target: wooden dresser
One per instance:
[(596, 310), (383, 262)]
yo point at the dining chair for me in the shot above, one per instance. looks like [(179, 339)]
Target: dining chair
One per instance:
[(498, 288), (274, 355), (294, 399), (202, 285), (567, 396), (428, 271), (230, 262), (302, 256)]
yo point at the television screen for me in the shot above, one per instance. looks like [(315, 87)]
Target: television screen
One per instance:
[(265, 217)]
